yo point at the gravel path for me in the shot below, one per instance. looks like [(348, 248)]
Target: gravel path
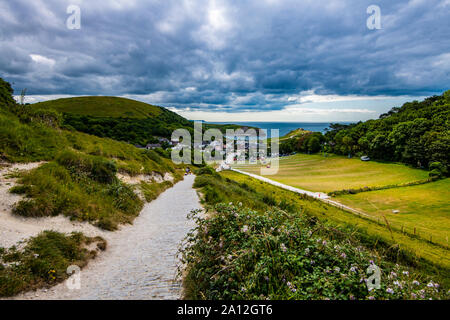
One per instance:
[(141, 261)]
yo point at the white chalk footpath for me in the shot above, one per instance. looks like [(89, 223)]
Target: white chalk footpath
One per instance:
[(318, 195), (141, 259)]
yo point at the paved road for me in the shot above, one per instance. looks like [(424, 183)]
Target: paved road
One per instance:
[(141, 261)]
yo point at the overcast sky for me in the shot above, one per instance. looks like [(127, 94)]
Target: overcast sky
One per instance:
[(256, 60)]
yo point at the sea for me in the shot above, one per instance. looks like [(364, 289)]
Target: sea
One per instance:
[(285, 127)]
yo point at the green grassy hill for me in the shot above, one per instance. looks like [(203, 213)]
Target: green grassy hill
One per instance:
[(99, 106), (79, 179), (117, 118), (121, 119)]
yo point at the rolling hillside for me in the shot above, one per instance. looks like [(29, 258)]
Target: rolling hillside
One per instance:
[(117, 118), (121, 119), (98, 106)]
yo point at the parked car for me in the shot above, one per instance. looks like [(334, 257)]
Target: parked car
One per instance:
[(365, 158)]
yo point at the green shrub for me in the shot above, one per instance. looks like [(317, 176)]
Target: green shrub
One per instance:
[(226, 262), (206, 170), (43, 261), (104, 171), (106, 224), (81, 166), (437, 169), (124, 198), (238, 253), (153, 156), (269, 200), (20, 189)]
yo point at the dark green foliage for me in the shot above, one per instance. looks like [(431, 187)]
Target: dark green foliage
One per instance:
[(124, 197), (206, 170), (418, 133), (99, 169), (6, 94), (308, 142), (75, 186), (249, 249), (437, 169), (131, 130), (238, 253)]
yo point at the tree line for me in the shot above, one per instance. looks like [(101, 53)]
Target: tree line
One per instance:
[(417, 133)]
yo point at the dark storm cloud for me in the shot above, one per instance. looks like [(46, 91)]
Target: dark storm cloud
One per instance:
[(226, 55)]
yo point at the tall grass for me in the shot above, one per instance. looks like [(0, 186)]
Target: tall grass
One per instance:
[(264, 244), (44, 260)]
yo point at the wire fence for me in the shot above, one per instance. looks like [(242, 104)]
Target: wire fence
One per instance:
[(415, 232)]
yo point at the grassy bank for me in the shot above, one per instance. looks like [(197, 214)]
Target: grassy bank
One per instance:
[(79, 179), (434, 258), (422, 210), (271, 243), (43, 260)]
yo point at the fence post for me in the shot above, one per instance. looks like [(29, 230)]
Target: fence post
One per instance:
[(414, 230)]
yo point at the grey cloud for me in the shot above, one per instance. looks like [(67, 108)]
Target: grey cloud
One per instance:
[(240, 56)]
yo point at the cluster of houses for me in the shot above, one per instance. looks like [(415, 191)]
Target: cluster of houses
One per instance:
[(242, 146), (160, 144)]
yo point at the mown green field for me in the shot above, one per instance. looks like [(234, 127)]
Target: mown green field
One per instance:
[(332, 173), (424, 207), (102, 107)]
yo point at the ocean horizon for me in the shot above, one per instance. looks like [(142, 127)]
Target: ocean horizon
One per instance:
[(284, 127)]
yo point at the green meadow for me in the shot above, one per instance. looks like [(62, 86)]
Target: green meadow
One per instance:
[(102, 107), (420, 210), (333, 173), (424, 208)]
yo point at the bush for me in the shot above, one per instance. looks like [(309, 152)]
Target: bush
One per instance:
[(152, 155), (107, 224), (269, 200), (242, 254), (81, 166), (20, 189), (124, 198), (206, 170), (43, 261), (103, 171), (437, 169)]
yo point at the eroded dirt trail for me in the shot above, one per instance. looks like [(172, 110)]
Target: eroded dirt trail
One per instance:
[(141, 260)]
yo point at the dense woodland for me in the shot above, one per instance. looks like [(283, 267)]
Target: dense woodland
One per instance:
[(134, 131), (418, 133)]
